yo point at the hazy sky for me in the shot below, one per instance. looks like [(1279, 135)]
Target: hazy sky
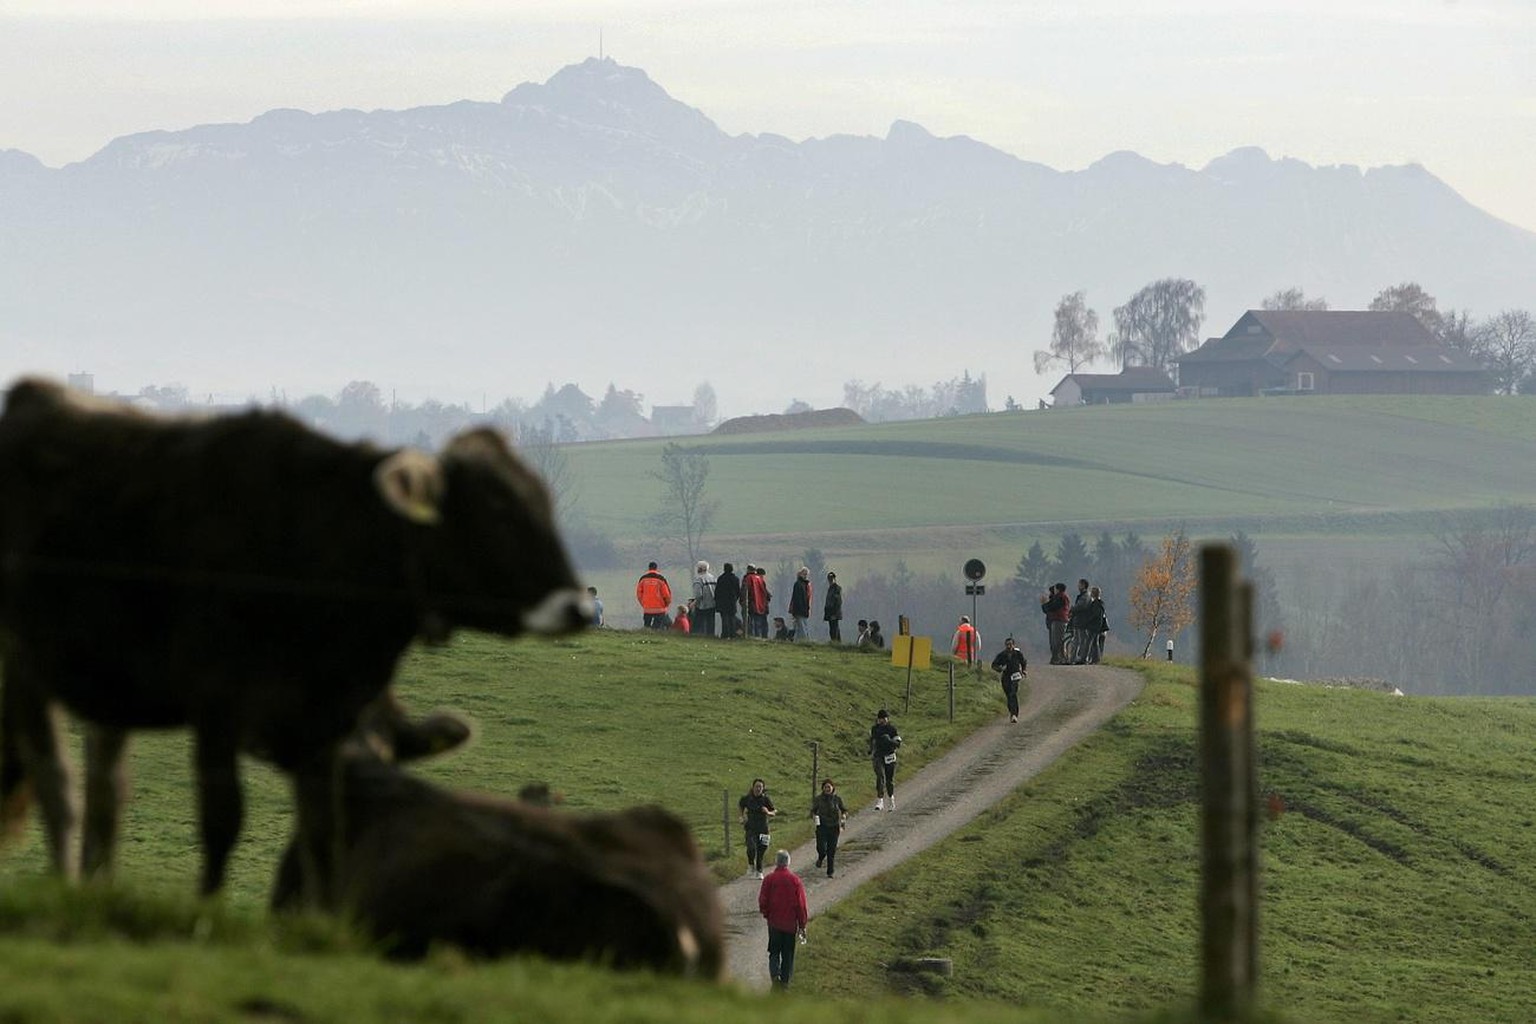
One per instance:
[(1451, 85)]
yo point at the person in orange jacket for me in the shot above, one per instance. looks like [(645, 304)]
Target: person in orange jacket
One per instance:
[(654, 594), (967, 642)]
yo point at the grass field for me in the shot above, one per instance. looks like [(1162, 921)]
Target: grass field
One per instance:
[(610, 718), (1398, 884), (1323, 480), (1397, 881)]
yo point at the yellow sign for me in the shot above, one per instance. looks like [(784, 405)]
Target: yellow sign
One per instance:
[(919, 649)]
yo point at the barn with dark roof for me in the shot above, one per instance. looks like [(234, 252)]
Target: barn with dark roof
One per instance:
[(1340, 352), (1132, 384)]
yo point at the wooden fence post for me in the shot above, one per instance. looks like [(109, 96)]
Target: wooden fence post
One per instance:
[(1229, 799)]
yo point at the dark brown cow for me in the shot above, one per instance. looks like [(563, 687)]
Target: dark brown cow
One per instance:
[(416, 864), (243, 575)]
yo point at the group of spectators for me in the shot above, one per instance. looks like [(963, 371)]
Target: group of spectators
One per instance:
[(738, 606), (1075, 627)]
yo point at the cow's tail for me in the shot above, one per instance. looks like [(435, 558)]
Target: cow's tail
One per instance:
[(15, 786)]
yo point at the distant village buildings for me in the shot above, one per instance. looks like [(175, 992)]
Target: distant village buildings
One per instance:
[(1297, 352)]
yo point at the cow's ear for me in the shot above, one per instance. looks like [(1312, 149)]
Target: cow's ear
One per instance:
[(411, 484)]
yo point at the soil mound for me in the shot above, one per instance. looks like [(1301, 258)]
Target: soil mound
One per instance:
[(789, 421)]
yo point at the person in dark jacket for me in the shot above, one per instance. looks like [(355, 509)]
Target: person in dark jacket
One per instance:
[(781, 900), (756, 808), (1011, 667), (832, 609), (800, 603), (883, 741), (1098, 626), (874, 638), (829, 812), (1080, 619), (728, 601)]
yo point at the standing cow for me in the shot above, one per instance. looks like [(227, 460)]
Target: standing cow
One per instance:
[(243, 575), (413, 864)]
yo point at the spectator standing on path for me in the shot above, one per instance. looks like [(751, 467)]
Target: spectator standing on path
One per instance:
[(967, 642), (756, 598), (597, 606), (832, 609), (728, 601), (756, 808), (703, 600), (654, 594), (883, 741), (1097, 627), (829, 812), (1080, 618), (1011, 667), (800, 603), (1056, 608), (781, 900)]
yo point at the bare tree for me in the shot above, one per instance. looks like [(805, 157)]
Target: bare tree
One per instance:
[(706, 407), (1458, 331), (1159, 323), (1074, 337), (544, 455), (1294, 298), (1507, 343), (1408, 297), (685, 512)]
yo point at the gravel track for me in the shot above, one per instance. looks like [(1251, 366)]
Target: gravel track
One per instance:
[(1063, 705)]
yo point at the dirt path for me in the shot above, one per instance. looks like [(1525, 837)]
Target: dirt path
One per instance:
[(1064, 704)]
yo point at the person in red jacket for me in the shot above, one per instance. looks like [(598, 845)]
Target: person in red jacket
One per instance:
[(782, 901), (654, 594)]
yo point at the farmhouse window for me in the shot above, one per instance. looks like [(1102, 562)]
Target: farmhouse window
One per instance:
[(1303, 381)]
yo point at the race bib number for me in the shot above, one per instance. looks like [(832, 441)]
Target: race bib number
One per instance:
[(762, 840), (890, 758), (1016, 677)]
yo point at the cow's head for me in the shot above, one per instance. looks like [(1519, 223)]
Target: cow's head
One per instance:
[(492, 557)]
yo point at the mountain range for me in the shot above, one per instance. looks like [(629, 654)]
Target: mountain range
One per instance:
[(594, 229)]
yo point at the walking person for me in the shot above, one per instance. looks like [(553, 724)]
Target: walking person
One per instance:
[(967, 642), (832, 609), (703, 600), (654, 595), (781, 900), (1057, 608), (597, 607), (800, 603), (728, 601), (830, 813), (756, 808), (1011, 667), (883, 741)]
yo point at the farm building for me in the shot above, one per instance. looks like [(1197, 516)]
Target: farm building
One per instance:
[(1340, 352), (1132, 384)]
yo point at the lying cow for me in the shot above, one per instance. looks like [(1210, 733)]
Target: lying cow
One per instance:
[(415, 864), (243, 575)]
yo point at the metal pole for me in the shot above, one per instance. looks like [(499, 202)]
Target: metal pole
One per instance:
[(1228, 820), (725, 819)]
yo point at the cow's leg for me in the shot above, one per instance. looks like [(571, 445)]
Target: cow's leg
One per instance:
[(316, 793), (106, 791), (33, 724), (220, 805)]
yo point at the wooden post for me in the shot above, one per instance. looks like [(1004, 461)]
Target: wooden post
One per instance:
[(951, 693), (815, 767), (1229, 802)]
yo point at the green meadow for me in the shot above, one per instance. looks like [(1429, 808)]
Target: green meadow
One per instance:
[(1397, 879), (1325, 477)]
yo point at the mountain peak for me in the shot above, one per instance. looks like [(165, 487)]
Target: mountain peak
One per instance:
[(602, 92)]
